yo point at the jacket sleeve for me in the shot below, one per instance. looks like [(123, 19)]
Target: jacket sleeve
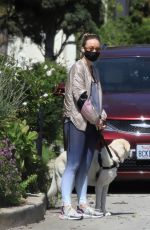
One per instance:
[(80, 95), (82, 99), (78, 81)]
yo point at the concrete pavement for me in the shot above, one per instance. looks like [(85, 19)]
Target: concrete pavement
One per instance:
[(32, 211), (129, 211)]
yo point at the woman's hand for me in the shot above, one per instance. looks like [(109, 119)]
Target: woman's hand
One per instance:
[(101, 124), (102, 121)]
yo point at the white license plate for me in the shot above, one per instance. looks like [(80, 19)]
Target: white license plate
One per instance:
[(143, 152)]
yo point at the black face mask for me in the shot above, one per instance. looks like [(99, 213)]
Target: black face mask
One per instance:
[(91, 56)]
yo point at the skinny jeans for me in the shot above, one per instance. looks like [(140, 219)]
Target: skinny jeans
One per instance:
[(80, 151)]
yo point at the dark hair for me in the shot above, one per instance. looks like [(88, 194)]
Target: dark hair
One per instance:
[(88, 36)]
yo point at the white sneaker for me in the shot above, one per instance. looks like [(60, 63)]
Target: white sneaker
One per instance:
[(89, 212), (69, 213)]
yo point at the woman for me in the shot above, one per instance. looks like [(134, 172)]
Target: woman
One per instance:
[(81, 125)]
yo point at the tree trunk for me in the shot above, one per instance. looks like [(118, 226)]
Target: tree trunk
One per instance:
[(3, 41), (105, 5), (49, 45)]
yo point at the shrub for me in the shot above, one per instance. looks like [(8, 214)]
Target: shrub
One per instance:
[(44, 107), (11, 190), (32, 168), (112, 34), (11, 91), (24, 93), (24, 140)]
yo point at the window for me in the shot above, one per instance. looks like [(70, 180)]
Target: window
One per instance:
[(124, 74)]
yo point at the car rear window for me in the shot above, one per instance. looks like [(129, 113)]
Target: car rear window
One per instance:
[(124, 74)]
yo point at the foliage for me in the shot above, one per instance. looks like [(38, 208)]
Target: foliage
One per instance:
[(112, 34), (21, 169), (39, 168), (10, 189), (139, 9), (41, 20), (135, 26), (32, 179), (140, 34), (33, 170), (24, 140), (13, 184), (48, 152), (41, 103), (11, 91)]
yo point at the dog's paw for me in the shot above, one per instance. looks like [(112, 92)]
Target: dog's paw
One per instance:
[(107, 214)]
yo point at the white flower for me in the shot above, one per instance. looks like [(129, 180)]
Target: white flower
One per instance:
[(45, 67), (24, 103), (45, 95), (49, 72)]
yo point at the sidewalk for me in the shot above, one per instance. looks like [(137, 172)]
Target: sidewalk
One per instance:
[(33, 211), (129, 211)]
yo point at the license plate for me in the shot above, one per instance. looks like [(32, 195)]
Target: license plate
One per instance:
[(143, 152)]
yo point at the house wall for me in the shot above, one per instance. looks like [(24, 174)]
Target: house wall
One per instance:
[(26, 52), (68, 56)]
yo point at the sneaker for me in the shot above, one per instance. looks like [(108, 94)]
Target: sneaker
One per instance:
[(68, 213), (89, 212)]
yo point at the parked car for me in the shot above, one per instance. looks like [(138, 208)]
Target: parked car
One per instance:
[(125, 77)]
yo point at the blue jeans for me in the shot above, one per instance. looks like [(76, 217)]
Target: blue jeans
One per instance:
[(80, 151)]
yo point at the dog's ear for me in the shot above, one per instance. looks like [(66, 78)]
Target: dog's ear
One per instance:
[(124, 150), (127, 149), (127, 146)]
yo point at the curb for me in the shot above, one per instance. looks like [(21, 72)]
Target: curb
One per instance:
[(33, 211)]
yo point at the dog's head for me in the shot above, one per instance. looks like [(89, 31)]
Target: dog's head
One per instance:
[(122, 148)]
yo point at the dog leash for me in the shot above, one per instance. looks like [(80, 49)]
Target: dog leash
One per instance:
[(105, 144), (109, 152)]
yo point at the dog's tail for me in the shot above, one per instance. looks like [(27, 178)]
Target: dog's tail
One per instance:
[(53, 190)]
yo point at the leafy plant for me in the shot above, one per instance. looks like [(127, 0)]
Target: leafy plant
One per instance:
[(32, 179), (39, 168), (24, 140), (33, 170)]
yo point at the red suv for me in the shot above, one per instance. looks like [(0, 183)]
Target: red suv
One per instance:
[(125, 77)]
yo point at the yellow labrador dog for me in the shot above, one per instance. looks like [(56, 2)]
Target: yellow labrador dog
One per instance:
[(101, 173)]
